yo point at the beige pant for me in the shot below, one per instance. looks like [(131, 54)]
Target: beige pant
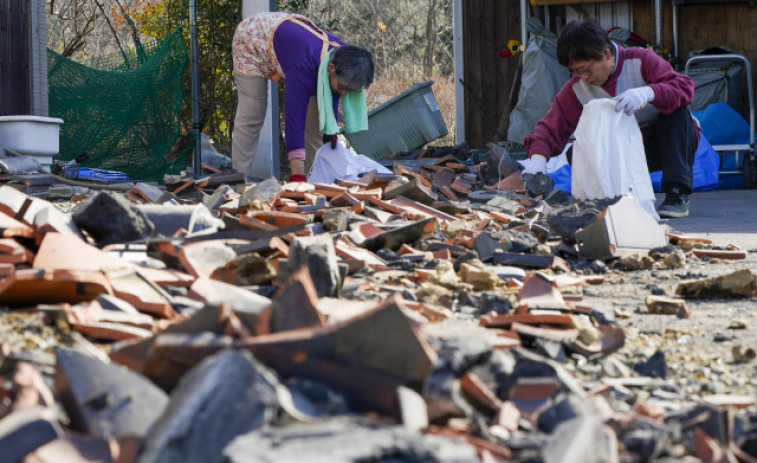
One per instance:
[(252, 95)]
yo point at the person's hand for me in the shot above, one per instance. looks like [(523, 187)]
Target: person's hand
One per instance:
[(633, 99), (537, 165), (332, 139)]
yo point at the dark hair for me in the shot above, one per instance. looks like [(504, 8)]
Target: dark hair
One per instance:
[(582, 41), (353, 66)]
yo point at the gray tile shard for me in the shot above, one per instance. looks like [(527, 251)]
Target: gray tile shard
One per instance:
[(346, 442), (226, 395), (106, 400), (318, 254), (110, 218)]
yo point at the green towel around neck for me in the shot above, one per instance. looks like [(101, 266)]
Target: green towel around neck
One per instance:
[(353, 105)]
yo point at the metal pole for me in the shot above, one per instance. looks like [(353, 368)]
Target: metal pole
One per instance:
[(458, 65), (675, 34), (523, 17), (197, 125), (658, 23)]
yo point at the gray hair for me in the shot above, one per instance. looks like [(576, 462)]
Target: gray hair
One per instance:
[(353, 66)]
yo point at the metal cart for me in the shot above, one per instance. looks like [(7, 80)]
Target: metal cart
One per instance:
[(748, 170)]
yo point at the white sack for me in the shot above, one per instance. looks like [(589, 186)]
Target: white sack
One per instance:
[(608, 156), (341, 163)]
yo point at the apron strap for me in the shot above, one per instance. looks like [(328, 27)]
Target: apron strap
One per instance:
[(306, 24)]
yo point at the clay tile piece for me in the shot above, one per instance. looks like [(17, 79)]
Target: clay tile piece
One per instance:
[(29, 287), (10, 227), (538, 292)]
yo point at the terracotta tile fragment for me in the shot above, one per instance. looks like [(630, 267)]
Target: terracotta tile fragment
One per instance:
[(449, 193), (472, 385), (676, 238), (253, 309), (443, 177), (347, 250), (200, 258), (6, 270), (734, 253), (415, 175), (418, 209), (29, 287), (265, 247), (12, 252), (507, 416), (295, 305), (10, 227), (540, 293), (387, 206), (109, 331), (143, 294), (531, 394), (367, 195), (513, 181), (277, 219), (461, 186), (413, 190), (36, 212), (150, 193), (255, 223), (506, 320), (649, 410), (29, 389), (708, 449), (184, 186), (348, 355), (433, 313), (729, 400)]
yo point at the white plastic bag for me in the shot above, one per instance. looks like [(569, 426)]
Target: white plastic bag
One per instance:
[(341, 163), (608, 156)]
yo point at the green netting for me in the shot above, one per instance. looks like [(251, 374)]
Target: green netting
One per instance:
[(126, 119)]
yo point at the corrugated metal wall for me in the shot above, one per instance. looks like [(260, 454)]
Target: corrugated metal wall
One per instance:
[(15, 49), (607, 14)]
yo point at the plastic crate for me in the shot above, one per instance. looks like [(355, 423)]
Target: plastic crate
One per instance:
[(30, 135), (405, 122)]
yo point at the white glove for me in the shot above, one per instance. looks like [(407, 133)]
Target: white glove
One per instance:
[(633, 99), (537, 164)]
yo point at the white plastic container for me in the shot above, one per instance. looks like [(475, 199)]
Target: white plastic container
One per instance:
[(31, 135)]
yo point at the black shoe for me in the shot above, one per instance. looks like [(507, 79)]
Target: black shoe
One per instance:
[(676, 205)]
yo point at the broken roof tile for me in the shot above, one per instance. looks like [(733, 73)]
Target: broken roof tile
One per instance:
[(10, 227), (200, 258), (28, 287), (539, 292)]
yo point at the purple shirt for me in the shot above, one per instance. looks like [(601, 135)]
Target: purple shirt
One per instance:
[(299, 54), (671, 91)]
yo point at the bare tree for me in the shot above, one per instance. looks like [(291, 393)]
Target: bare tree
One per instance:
[(72, 23), (428, 56)]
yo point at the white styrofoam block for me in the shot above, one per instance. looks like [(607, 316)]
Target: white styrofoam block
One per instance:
[(31, 135)]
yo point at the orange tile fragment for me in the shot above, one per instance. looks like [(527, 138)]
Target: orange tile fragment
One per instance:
[(36, 286)]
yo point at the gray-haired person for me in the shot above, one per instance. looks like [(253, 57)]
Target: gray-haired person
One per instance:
[(286, 47)]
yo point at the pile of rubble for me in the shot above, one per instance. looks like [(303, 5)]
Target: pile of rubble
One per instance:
[(431, 315)]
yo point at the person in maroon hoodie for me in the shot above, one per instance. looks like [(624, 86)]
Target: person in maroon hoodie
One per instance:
[(642, 84)]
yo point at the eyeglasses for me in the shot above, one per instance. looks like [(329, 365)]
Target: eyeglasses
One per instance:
[(584, 71)]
